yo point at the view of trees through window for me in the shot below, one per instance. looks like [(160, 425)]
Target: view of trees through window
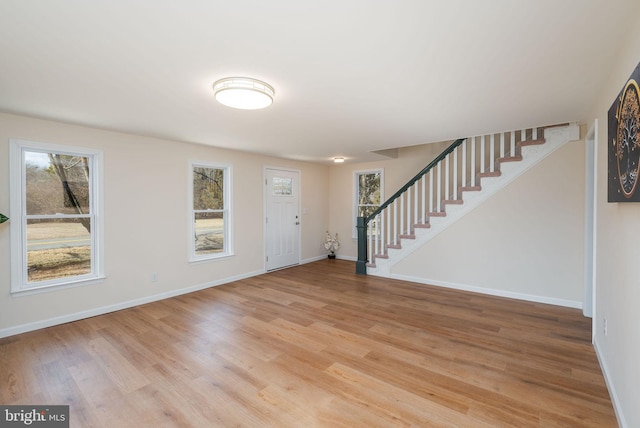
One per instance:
[(58, 216), (368, 193), (208, 210)]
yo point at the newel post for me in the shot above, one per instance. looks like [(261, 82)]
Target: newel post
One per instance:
[(361, 264)]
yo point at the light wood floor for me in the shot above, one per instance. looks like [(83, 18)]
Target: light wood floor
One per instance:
[(316, 345)]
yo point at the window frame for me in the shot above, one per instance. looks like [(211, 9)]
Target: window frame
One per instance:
[(227, 212), (356, 194), (19, 217)]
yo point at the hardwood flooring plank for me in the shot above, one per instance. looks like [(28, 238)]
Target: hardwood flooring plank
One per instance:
[(284, 335), (100, 397), (316, 346), (398, 403), (224, 410)]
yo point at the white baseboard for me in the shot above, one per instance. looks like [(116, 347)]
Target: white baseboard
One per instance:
[(23, 328), (492, 292), (338, 256), (617, 408), (313, 259)]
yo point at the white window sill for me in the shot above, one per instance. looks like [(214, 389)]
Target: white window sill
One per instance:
[(211, 258), (54, 287)]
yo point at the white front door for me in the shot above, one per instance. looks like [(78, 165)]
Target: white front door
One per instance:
[(282, 220)]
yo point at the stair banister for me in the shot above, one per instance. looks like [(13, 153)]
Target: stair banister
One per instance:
[(362, 222)]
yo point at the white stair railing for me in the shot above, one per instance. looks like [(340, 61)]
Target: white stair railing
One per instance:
[(457, 169)]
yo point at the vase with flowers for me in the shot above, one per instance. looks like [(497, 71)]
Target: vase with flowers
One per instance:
[(331, 244)]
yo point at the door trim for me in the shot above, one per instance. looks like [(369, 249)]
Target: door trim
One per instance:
[(264, 213), (591, 212)]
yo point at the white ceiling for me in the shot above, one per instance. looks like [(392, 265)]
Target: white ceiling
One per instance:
[(351, 76)]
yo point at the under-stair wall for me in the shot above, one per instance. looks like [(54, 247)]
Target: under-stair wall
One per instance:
[(543, 254), (526, 241)]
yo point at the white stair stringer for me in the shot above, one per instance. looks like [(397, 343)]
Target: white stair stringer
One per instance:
[(554, 137)]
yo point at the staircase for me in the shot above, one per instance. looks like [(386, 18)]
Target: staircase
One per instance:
[(461, 178)]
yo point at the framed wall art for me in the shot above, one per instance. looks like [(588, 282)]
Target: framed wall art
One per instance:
[(624, 143)]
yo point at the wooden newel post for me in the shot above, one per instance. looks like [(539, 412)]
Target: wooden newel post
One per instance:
[(361, 264)]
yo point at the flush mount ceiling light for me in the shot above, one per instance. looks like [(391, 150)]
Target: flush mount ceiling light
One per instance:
[(243, 93), (338, 160)]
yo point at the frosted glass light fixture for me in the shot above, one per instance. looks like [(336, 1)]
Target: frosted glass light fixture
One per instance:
[(338, 160), (243, 93)]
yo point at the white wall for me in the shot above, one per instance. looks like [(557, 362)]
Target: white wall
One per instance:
[(526, 241), (146, 220), (618, 262)]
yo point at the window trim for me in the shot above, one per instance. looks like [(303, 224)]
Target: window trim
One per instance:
[(356, 187), (227, 212), (17, 197)]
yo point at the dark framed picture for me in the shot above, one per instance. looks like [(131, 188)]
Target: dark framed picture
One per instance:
[(624, 143)]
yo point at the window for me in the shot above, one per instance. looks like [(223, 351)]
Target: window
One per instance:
[(282, 186), (368, 193), (56, 217), (210, 216)]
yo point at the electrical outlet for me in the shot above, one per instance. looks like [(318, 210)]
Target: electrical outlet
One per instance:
[(154, 276), (605, 327)]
